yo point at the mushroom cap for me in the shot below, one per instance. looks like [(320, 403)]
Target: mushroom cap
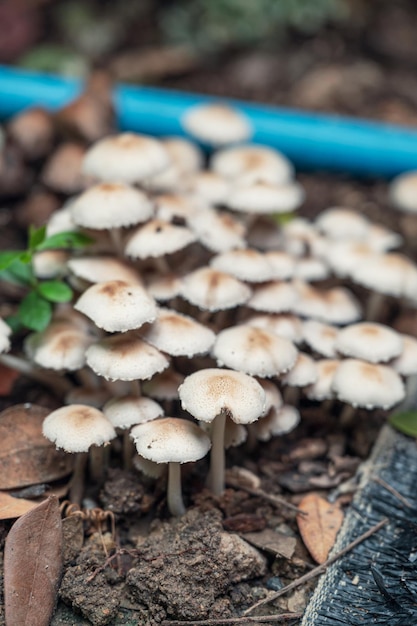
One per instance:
[(261, 197), (178, 335), (217, 124), (209, 186), (273, 397), (175, 207), (303, 373), (391, 273), (61, 346), (98, 269), (208, 392), (247, 264), (217, 230), (403, 191), (110, 205), (164, 287), (117, 306), (212, 290), (273, 297), (311, 269), (157, 238), (130, 410), (406, 363), (77, 427), (163, 386), (170, 440), (283, 324), (369, 341), (5, 332), (342, 223), (367, 385), (322, 389), (333, 306), (125, 357), (254, 350), (345, 256), (50, 263), (282, 263), (252, 163), (321, 337), (127, 157), (278, 421)]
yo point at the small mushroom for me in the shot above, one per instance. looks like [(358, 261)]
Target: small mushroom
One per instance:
[(210, 395), (79, 429), (174, 441)]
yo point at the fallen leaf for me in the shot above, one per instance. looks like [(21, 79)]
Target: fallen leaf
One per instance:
[(320, 526), (26, 456), (11, 507), (7, 378), (272, 541), (33, 565)]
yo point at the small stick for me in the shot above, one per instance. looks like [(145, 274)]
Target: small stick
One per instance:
[(234, 620), (394, 492), (276, 500), (320, 568)]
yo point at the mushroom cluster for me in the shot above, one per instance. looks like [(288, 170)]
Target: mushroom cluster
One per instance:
[(197, 303)]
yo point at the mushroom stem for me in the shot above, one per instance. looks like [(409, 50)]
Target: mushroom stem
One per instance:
[(76, 489), (97, 462), (117, 240), (215, 479), (292, 395), (174, 493), (128, 450), (374, 306), (88, 379), (58, 384), (347, 415)]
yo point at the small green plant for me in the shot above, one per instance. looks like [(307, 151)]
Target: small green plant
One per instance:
[(405, 422), (16, 266)]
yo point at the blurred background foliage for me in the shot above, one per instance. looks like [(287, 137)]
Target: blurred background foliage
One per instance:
[(73, 35), (213, 25)]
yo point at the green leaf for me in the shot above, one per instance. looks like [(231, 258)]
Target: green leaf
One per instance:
[(19, 274), (70, 239), (36, 236), (405, 422), (9, 257), (35, 312), (55, 291), (283, 218), (14, 323)]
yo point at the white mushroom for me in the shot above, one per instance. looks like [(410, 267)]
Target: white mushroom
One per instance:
[(174, 441)]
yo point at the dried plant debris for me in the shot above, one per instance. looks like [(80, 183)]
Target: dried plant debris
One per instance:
[(377, 582), (32, 566)]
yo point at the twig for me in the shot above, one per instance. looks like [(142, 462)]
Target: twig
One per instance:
[(393, 491), (234, 620), (320, 568), (276, 500)]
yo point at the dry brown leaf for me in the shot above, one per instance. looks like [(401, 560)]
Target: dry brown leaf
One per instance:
[(272, 541), (7, 379), (11, 507), (320, 526), (26, 456), (33, 565)]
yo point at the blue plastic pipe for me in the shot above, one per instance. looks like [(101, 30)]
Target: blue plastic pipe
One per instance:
[(310, 140)]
